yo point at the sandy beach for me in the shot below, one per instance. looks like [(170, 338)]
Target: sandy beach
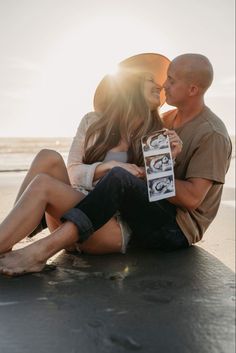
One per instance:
[(123, 303), (219, 239)]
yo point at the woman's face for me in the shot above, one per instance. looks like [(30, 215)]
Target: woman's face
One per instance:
[(151, 92)]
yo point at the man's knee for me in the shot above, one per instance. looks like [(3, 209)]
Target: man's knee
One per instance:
[(119, 173)]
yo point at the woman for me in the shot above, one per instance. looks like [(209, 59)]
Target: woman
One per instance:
[(130, 113), (113, 98), (115, 146)]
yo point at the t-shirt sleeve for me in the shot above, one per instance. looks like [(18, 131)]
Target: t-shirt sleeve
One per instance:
[(211, 159)]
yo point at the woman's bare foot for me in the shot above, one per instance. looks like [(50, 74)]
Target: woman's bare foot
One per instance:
[(20, 262), (33, 258)]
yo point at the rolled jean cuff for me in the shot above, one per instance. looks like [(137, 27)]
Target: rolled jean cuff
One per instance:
[(81, 220)]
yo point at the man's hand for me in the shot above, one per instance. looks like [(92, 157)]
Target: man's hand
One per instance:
[(176, 143)]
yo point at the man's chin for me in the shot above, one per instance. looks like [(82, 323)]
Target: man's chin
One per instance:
[(169, 102)]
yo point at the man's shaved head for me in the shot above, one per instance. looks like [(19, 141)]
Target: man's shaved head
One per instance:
[(195, 69)]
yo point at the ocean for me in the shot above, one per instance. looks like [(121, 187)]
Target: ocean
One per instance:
[(16, 154)]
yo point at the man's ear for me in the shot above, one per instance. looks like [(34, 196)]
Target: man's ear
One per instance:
[(193, 90)]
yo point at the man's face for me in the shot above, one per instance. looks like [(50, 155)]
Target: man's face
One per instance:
[(176, 88)]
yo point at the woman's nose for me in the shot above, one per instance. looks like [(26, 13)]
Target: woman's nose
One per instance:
[(165, 84)]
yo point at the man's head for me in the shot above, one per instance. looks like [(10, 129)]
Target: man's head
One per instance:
[(189, 76)]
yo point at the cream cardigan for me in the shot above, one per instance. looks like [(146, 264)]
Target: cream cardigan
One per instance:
[(80, 174)]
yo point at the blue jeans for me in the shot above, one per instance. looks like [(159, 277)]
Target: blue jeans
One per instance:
[(153, 224)]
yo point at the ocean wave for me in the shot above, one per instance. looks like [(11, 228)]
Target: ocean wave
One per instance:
[(33, 145)]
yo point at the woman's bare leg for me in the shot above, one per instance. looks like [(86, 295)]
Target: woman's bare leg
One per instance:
[(108, 239), (49, 162), (46, 161), (33, 257), (43, 194)]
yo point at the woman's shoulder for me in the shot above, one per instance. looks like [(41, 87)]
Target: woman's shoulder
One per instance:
[(90, 117), (87, 120)]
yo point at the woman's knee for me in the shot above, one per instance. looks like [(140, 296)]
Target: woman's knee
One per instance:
[(41, 184), (50, 157)]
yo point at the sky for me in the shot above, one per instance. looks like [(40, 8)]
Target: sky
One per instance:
[(53, 54)]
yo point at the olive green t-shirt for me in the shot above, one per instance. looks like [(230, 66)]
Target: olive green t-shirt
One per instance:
[(206, 154)]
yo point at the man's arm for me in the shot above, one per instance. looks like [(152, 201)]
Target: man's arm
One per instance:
[(190, 193)]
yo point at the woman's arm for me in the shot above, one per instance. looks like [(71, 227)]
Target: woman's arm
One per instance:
[(81, 174), (85, 175), (103, 168)]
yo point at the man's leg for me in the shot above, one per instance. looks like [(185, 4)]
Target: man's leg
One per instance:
[(169, 237), (119, 190)]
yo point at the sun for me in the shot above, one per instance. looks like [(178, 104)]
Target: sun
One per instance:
[(74, 66)]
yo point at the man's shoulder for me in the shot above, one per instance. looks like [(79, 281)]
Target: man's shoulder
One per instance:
[(212, 132), (215, 124), (168, 117)]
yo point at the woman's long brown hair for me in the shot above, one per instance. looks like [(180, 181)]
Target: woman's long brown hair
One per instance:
[(127, 116)]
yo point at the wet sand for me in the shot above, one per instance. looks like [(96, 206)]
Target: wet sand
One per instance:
[(145, 301)]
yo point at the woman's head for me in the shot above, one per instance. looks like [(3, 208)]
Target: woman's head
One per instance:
[(152, 63), (125, 87), (151, 91), (138, 87), (130, 113), (128, 105), (134, 97)]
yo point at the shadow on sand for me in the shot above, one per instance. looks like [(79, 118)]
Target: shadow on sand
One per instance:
[(145, 301)]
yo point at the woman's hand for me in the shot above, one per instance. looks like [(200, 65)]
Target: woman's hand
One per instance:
[(132, 168), (103, 168), (176, 143)]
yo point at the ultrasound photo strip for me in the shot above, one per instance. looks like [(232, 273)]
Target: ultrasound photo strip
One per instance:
[(158, 166)]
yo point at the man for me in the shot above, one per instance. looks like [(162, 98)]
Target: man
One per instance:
[(201, 166)]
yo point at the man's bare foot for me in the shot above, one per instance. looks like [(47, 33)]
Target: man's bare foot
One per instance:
[(19, 262)]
